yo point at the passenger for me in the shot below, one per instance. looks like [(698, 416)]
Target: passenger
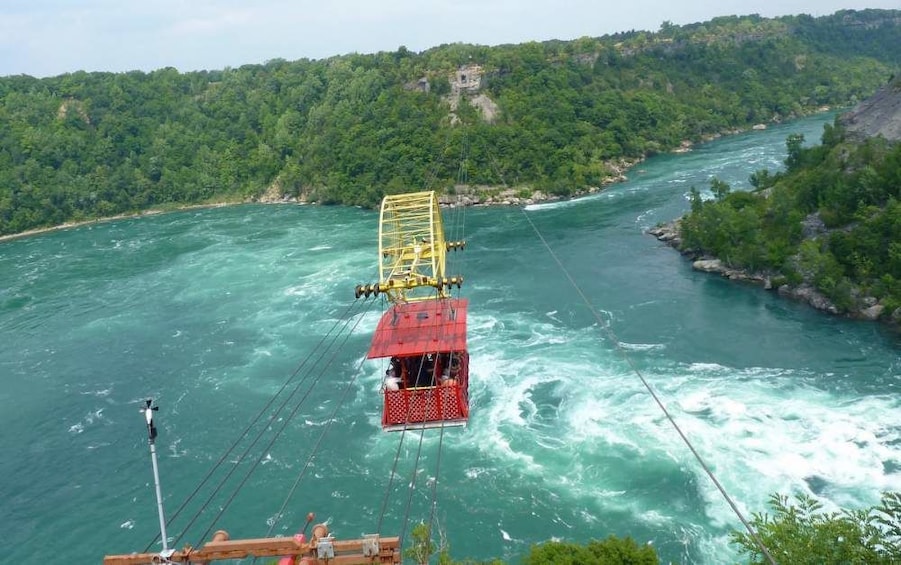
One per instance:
[(410, 369), (425, 375), (392, 381), (444, 362), (456, 366)]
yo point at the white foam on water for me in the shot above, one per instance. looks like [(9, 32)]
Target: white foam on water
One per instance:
[(642, 346), (548, 205), (568, 420), (476, 472), (92, 417)]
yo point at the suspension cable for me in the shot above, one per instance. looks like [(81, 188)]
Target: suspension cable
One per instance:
[(318, 443), (285, 422), (434, 503), (400, 444), (403, 528), (260, 433), (247, 429), (657, 400)]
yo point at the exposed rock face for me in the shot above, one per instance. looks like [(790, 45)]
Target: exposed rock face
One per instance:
[(468, 78), (421, 85), (71, 105), (878, 115), (812, 226), (487, 106), (808, 294)]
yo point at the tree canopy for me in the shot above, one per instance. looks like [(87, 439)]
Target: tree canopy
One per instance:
[(350, 129)]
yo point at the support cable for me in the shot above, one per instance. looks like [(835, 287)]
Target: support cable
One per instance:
[(253, 422), (403, 528), (653, 394), (400, 444), (318, 444), (285, 422), (258, 436), (434, 502)]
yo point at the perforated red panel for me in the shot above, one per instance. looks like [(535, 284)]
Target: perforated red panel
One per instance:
[(419, 405)]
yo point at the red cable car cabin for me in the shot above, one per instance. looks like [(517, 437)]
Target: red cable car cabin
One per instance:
[(423, 331), (428, 375)]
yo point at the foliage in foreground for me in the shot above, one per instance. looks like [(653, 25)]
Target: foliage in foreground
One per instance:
[(611, 551), (800, 533)]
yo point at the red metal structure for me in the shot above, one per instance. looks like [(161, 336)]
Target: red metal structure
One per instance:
[(423, 331)]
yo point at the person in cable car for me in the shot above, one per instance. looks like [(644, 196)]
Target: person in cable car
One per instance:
[(425, 372), (392, 381)]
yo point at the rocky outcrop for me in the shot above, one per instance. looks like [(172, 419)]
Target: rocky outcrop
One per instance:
[(808, 294), (467, 78), (868, 307), (879, 115), (488, 196), (486, 106), (420, 85), (466, 82)]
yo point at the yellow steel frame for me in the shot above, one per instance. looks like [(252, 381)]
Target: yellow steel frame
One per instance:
[(412, 247)]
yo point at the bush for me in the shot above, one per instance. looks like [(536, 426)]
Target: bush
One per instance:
[(611, 551), (800, 533)]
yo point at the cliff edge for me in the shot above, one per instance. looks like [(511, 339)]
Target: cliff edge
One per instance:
[(878, 115)]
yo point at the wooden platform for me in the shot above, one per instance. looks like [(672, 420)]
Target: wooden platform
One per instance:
[(345, 552)]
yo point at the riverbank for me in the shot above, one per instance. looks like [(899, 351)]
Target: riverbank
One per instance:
[(70, 225), (463, 195), (867, 307)]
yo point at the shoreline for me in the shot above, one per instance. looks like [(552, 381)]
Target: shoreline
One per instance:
[(464, 195), (868, 309), (70, 225)]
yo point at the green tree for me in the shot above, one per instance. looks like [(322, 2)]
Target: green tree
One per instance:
[(801, 533), (422, 547), (345, 129), (611, 551)]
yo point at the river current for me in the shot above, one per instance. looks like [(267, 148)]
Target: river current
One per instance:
[(211, 311)]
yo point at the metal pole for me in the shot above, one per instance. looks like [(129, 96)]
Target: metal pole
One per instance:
[(159, 497), (151, 437)]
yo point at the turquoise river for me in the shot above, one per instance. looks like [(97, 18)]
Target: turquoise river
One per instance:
[(212, 312)]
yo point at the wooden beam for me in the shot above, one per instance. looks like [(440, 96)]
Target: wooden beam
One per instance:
[(347, 552)]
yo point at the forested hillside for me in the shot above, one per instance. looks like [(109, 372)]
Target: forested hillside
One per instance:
[(552, 116)]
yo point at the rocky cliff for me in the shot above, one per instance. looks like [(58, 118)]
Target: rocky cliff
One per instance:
[(878, 115)]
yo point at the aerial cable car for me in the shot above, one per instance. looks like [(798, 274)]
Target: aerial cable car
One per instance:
[(423, 330)]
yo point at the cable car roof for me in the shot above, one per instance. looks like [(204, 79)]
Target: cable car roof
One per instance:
[(425, 326)]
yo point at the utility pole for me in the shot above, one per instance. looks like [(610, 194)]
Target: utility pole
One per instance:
[(148, 411)]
